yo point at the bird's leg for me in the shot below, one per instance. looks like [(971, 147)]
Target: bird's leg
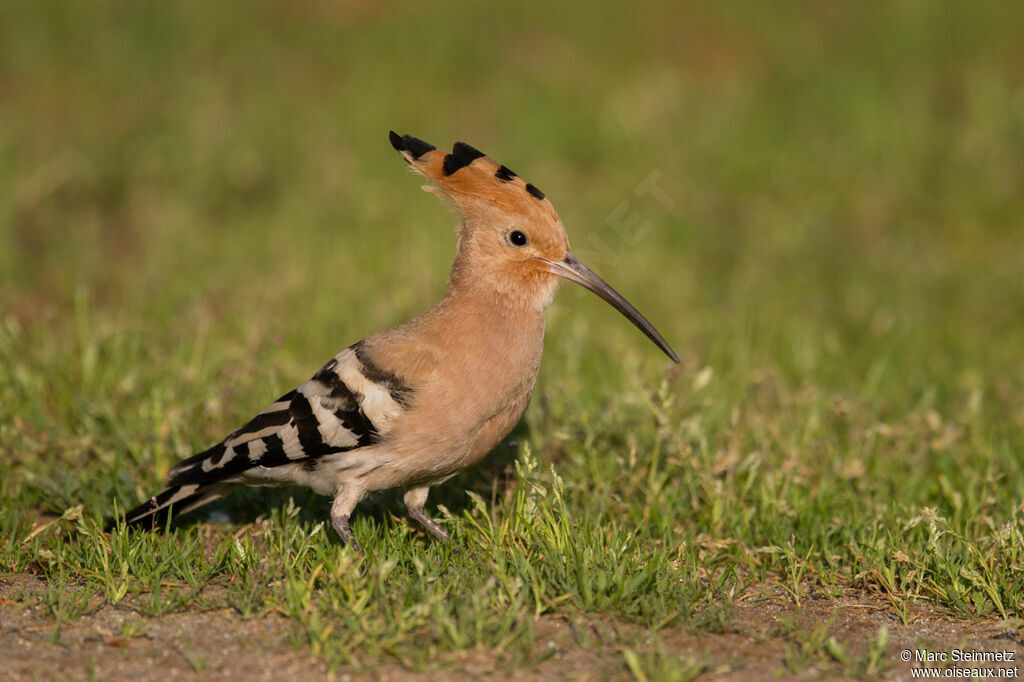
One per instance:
[(341, 509), (414, 500)]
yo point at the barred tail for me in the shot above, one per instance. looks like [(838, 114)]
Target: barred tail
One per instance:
[(179, 499)]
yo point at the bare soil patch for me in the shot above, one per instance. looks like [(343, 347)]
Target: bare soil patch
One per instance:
[(762, 641)]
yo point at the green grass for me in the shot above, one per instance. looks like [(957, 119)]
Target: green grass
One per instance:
[(198, 206)]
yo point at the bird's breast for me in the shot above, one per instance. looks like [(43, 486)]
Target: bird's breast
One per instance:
[(481, 384)]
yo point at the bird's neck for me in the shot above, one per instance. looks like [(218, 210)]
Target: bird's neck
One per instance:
[(493, 341)]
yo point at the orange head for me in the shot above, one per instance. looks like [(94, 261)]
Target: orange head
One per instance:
[(511, 241)]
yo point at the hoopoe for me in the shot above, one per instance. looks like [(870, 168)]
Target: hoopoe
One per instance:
[(412, 406)]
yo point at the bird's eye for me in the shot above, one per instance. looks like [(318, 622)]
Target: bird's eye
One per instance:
[(517, 238)]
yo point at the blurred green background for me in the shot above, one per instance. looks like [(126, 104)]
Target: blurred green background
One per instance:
[(199, 204)]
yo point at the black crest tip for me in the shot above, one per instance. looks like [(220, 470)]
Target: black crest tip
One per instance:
[(462, 155), (408, 143), (534, 191), (505, 174), (396, 141), (467, 152)]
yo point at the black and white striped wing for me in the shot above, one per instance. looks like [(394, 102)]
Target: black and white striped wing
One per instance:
[(347, 405)]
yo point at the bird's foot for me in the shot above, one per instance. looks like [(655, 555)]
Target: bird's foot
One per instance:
[(340, 524), (432, 526)]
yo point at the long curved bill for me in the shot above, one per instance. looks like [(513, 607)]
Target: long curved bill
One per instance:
[(573, 270)]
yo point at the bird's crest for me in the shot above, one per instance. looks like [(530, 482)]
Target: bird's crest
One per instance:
[(467, 176)]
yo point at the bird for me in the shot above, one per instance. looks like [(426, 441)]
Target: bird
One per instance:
[(411, 406)]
